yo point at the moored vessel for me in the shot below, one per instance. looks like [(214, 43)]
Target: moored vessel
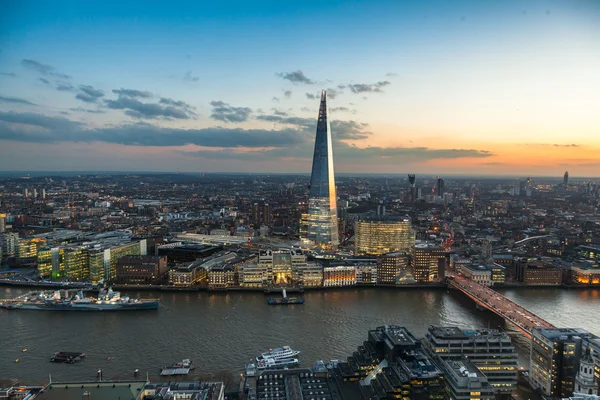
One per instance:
[(270, 363), (65, 300), (181, 368), (284, 300), (278, 354)]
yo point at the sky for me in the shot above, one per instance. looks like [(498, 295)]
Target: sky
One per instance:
[(507, 87)]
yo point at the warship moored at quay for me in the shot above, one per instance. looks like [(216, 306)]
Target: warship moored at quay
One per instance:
[(64, 300)]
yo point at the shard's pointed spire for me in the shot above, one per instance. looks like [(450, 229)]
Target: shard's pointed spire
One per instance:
[(322, 218)]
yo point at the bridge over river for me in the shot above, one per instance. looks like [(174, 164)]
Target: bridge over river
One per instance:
[(523, 319)]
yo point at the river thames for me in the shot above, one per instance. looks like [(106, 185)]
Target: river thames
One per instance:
[(224, 331)]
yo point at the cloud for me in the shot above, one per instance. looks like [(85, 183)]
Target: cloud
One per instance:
[(189, 78), (342, 109), (287, 93), (43, 69), (391, 74), (349, 130), (275, 99), (224, 112), (44, 81), (165, 109), (306, 109), (366, 88), (38, 128), (296, 77), (87, 110), (298, 122), (16, 100), (132, 93), (311, 96), (11, 74), (289, 142), (89, 94), (567, 145), (64, 86), (495, 164)]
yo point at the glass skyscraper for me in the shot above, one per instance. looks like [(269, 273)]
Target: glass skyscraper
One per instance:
[(322, 230)]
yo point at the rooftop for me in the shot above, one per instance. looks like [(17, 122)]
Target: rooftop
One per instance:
[(124, 390)]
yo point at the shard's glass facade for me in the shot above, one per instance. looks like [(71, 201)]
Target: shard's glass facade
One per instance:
[(322, 227)]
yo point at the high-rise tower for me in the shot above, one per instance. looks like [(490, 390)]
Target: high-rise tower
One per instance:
[(566, 179), (322, 203)]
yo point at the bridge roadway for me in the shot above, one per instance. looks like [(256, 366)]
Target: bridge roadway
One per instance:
[(520, 317)]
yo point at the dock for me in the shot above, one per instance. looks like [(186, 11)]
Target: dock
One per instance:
[(170, 371)]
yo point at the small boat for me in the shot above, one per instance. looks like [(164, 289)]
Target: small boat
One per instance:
[(67, 357), (284, 300), (181, 368), (24, 351)]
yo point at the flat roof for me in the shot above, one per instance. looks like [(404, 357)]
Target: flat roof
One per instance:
[(125, 390)]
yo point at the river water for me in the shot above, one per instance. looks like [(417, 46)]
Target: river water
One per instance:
[(224, 331)]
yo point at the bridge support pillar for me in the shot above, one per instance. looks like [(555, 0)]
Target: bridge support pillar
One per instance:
[(479, 307)]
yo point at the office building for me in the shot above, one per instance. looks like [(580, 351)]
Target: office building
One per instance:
[(339, 276), (280, 267), (554, 361), (251, 276), (366, 274), (412, 195), (310, 275), (2, 224), (383, 234), (427, 261), (540, 273), (394, 268), (566, 179), (322, 230), (585, 273), (141, 270), (403, 367), (491, 351), (439, 187), (261, 214), (477, 273), (188, 274), (464, 381)]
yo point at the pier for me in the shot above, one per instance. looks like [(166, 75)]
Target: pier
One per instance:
[(523, 319)]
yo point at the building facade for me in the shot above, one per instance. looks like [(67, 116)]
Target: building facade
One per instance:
[(394, 268), (427, 261), (339, 276), (141, 270), (491, 351), (383, 234)]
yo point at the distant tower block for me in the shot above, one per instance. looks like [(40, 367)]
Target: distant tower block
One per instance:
[(566, 178)]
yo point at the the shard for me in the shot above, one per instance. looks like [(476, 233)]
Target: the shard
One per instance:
[(322, 230)]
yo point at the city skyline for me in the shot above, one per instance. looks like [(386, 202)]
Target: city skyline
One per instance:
[(497, 88)]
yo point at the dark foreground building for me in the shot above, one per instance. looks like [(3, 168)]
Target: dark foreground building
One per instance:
[(142, 270)]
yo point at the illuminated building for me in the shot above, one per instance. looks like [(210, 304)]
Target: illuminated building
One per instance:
[(280, 266), (99, 262), (383, 234), (498, 274), (2, 224), (129, 249), (322, 230), (339, 276), (585, 273), (141, 270), (261, 214), (394, 268), (477, 273), (393, 361), (10, 242), (554, 361), (77, 264), (310, 275), (541, 274), (26, 250), (464, 381), (490, 350), (366, 274), (188, 274), (251, 276), (427, 260), (220, 276)]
